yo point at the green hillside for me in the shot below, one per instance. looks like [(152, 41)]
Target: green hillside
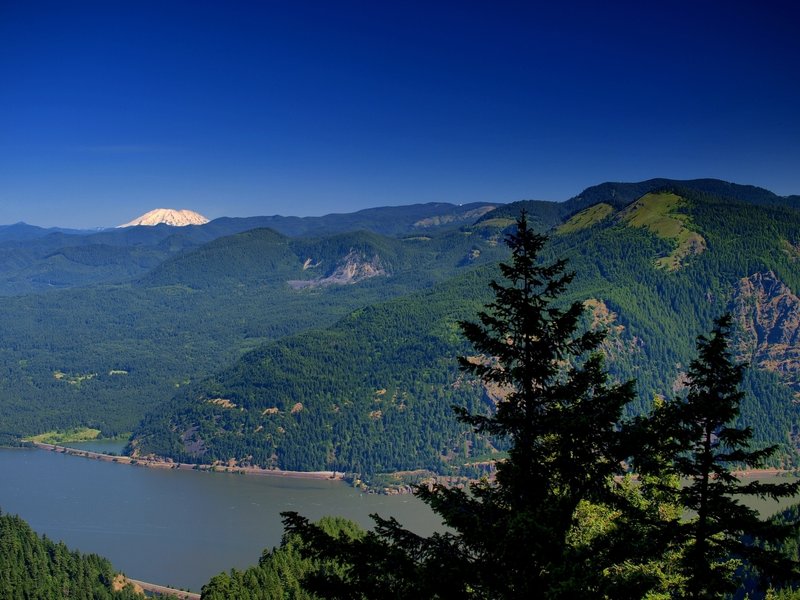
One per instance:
[(586, 218), (262, 255), (37, 568), (34, 260), (660, 310), (658, 213), (619, 195), (373, 392), (102, 356), (370, 394)]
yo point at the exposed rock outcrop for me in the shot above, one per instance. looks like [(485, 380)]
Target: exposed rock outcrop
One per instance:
[(603, 318), (352, 268), (768, 314)]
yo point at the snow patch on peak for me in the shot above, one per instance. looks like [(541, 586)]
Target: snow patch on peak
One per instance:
[(168, 216)]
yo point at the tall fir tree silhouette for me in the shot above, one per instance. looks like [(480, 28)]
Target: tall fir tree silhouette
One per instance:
[(508, 538), (706, 446)]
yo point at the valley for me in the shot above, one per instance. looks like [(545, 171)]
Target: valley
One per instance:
[(308, 358), (337, 353), (412, 300)]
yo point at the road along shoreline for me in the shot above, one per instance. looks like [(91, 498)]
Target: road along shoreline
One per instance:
[(163, 590), (160, 463)]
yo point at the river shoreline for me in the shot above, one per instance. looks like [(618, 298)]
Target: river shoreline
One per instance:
[(173, 527), (156, 463), (399, 488)]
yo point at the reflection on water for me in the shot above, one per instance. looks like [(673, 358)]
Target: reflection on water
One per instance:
[(101, 446), (767, 506), (176, 527)]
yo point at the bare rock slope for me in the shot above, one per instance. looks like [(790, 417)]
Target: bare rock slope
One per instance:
[(769, 316)]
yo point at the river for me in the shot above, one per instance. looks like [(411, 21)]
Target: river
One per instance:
[(180, 528), (177, 528)]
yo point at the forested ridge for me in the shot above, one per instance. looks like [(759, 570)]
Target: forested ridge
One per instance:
[(372, 393), (562, 518), (619, 195), (36, 568), (33, 259), (160, 352), (102, 356)]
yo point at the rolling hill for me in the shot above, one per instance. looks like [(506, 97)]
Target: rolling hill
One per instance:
[(33, 259), (372, 392), (103, 355), (226, 342)]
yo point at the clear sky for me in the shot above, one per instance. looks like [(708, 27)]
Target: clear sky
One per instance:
[(109, 109)]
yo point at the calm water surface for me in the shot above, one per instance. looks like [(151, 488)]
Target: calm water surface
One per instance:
[(177, 528)]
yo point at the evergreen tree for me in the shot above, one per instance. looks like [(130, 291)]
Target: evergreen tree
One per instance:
[(36, 568), (700, 435), (279, 571), (509, 538)]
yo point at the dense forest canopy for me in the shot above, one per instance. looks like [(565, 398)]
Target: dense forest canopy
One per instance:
[(376, 387), (36, 568), (335, 349), (562, 518)]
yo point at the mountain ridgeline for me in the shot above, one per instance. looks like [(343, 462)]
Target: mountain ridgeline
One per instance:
[(372, 392), (102, 356), (33, 259), (329, 343)]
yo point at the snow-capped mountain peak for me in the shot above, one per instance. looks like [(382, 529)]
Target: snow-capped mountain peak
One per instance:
[(168, 216)]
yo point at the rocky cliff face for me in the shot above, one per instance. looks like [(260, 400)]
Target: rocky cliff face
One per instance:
[(768, 314), (617, 343)]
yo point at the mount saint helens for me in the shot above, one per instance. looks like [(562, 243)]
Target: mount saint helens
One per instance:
[(168, 216)]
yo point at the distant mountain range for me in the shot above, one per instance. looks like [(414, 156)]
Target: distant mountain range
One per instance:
[(330, 342), (35, 259)]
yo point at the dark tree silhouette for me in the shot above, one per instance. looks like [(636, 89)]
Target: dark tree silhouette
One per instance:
[(509, 538), (704, 445)]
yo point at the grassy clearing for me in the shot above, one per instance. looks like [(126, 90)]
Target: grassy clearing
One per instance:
[(499, 222), (655, 213), (82, 434), (689, 242), (586, 218), (791, 250), (73, 379)]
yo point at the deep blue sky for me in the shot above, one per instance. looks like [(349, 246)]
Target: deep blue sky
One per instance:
[(113, 108)]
